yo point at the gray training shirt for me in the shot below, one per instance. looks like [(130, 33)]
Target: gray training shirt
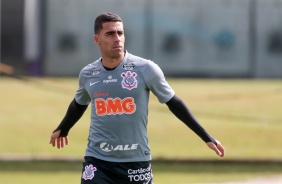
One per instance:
[(119, 112)]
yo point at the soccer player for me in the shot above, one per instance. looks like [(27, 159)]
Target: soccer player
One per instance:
[(118, 85)]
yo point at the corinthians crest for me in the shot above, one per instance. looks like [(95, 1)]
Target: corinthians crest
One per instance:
[(88, 173), (129, 80)]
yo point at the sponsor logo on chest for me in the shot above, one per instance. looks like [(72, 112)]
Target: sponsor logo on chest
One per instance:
[(115, 106), (110, 79), (109, 148)]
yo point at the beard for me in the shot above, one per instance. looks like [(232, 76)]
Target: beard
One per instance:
[(115, 53)]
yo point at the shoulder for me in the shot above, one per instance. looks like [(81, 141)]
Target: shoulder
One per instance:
[(92, 68), (142, 63), (92, 65), (147, 68)]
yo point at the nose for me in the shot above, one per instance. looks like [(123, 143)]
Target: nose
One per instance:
[(117, 37)]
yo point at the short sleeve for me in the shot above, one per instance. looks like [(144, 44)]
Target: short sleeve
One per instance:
[(157, 83), (81, 96)]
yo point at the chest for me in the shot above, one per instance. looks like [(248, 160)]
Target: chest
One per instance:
[(116, 83)]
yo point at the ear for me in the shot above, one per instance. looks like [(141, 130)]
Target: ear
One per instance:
[(96, 39)]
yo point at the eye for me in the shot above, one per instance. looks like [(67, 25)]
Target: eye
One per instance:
[(109, 33)]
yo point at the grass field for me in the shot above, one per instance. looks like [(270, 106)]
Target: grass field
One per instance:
[(245, 115)]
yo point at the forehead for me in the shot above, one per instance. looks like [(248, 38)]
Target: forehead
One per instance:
[(112, 26)]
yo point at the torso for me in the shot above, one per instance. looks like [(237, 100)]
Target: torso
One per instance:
[(119, 108)]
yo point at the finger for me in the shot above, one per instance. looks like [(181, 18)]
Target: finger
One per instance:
[(52, 141), (214, 148), (58, 143), (217, 151), (66, 140), (221, 149), (62, 142)]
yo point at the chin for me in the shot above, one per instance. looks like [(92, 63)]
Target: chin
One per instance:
[(117, 54)]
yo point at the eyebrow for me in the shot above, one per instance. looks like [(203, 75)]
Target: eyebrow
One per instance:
[(111, 32)]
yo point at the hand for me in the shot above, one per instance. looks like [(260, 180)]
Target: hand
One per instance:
[(61, 141), (219, 150)]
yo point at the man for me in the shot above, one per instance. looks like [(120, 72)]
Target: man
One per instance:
[(118, 85)]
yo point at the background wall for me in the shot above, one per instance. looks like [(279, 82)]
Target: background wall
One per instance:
[(268, 55), (192, 38)]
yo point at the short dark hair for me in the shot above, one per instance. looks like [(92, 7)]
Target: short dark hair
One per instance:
[(105, 17)]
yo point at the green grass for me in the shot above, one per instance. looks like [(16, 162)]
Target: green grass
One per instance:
[(245, 115)]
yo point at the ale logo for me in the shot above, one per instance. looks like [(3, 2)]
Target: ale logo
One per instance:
[(114, 106), (127, 147)]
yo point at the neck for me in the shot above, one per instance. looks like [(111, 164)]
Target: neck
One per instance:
[(112, 62)]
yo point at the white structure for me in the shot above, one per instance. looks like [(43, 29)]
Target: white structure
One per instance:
[(213, 38)]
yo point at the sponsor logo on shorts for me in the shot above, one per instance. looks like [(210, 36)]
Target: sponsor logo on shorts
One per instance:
[(129, 80), (109, 148), (88, 173), (142, 174)]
